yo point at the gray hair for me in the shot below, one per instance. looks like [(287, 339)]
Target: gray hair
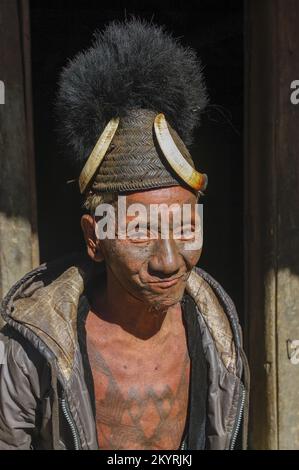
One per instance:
[(93, 199)]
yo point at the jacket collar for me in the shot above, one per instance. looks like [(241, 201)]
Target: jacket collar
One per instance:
[(46, 300)]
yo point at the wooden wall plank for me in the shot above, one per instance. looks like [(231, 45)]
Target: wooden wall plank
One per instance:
[(18, 247), (272, 221)]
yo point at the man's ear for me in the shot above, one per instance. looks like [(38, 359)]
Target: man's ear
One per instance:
[(92, 243)]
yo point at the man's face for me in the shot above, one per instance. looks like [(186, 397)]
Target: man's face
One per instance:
[(151, 268)]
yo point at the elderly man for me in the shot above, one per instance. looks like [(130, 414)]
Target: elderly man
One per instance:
[(129, 346)]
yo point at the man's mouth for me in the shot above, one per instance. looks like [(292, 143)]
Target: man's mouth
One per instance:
[(165, 283)]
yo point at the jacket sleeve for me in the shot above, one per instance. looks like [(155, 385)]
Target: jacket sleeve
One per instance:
[(19, 393)]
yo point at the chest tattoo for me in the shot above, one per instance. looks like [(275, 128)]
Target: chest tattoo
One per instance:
[(144, 415)]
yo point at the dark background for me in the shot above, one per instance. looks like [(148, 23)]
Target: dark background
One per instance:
[(215, 29)]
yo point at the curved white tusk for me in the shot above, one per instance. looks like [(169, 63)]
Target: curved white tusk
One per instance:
[(97, 155), (178, 163)]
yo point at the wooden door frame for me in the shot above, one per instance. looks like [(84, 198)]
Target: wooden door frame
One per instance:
[(272, 221)]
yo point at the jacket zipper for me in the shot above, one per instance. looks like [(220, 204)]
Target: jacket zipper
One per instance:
[(238, 420), (67, 414)]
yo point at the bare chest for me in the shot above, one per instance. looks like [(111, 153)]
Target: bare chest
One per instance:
[(141, 399)]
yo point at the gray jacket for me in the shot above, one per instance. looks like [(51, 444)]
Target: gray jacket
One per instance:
[(45, 398)]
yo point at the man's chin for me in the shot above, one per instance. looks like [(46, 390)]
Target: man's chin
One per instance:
[(165, 300), (159, 299)]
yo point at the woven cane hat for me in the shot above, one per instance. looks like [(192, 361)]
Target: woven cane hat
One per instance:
[(127, 105), (134, 160)]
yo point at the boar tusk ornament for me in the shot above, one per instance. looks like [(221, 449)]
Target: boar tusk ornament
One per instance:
[(97, 155), (178, 163)]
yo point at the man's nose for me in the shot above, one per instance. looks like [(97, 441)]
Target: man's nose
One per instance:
[(165, 260)]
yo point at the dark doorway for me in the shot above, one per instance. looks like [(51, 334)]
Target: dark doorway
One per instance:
[(61, 28)]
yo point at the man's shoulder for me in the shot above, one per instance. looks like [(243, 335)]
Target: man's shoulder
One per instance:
[(42, 308), (218, 314), (201, 285), (44, 281)]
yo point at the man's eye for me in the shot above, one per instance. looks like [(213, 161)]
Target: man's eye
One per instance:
[(139, 235), (185, 232)]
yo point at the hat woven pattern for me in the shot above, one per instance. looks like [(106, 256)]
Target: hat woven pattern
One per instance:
[(134, 160)]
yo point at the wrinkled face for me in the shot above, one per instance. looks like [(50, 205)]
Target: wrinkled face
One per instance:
[(152, 268)]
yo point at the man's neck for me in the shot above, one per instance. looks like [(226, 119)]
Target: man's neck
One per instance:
[(115, 305)]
